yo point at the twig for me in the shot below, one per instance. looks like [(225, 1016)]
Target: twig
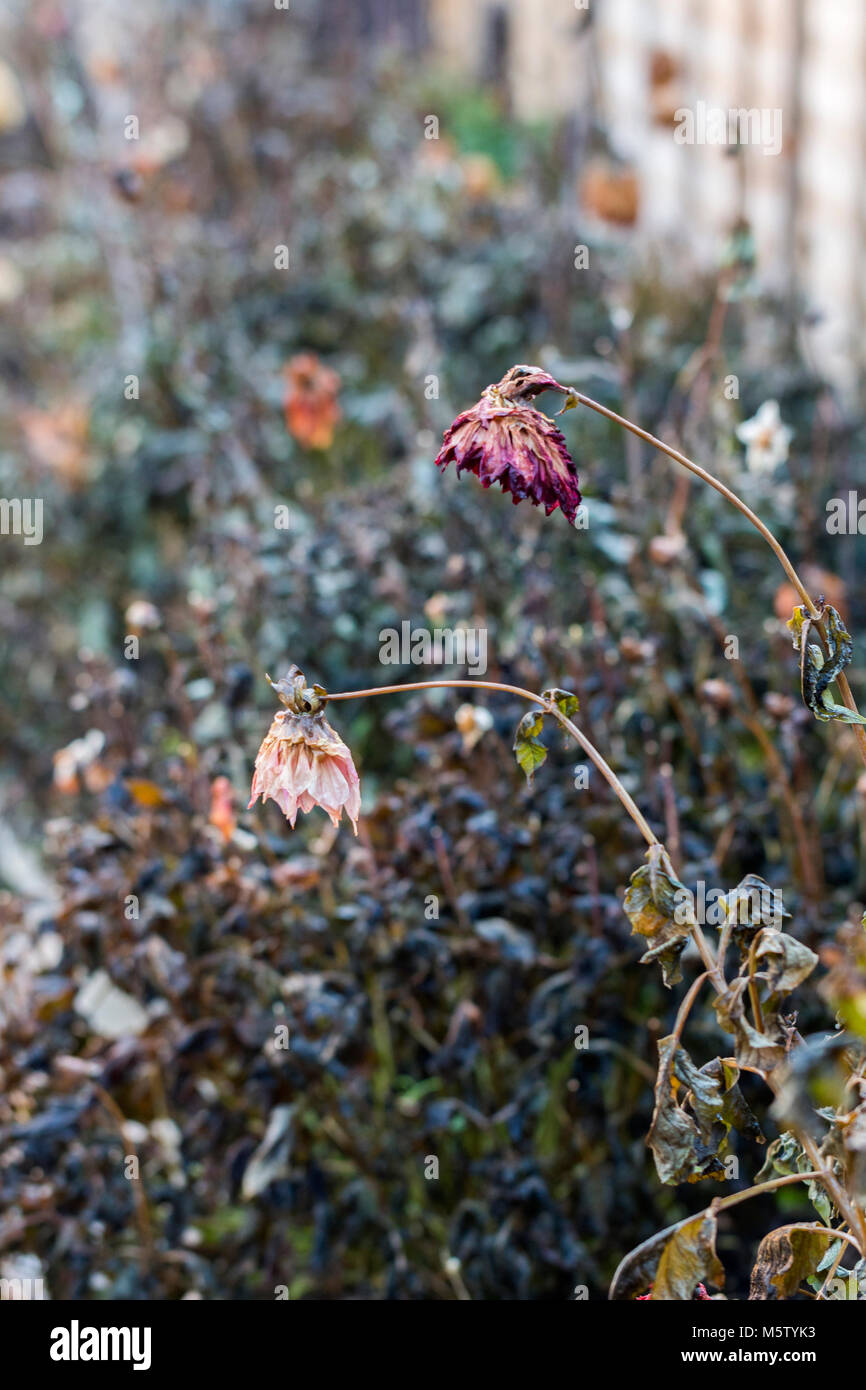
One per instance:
[(578, 397)]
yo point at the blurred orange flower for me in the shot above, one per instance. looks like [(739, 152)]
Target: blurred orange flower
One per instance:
[(58, 439), (310, 401), (222, 807)]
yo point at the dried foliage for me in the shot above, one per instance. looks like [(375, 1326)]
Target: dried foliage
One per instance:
[(281, 1033)]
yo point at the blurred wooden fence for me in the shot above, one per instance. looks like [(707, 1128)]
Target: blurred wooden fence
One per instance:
[(625, 67)]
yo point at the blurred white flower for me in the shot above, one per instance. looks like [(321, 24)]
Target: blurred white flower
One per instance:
[(473, 721), (766, 439)]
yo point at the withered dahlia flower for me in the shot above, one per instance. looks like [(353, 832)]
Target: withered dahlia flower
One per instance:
[(302, 762), (504, 439)]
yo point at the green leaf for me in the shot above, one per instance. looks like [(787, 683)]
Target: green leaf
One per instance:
[(786, 1155), (528, 748), (565, 702)]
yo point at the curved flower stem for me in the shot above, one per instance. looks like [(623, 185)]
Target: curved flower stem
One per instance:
[(711, 964), (735, 1197), (736, 501), (432, 685), (835, 1190), (549, 707), (592, 753), (685, 1006)]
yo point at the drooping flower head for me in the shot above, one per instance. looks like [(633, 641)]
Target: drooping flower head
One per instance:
[(302, 762), (504, 439)]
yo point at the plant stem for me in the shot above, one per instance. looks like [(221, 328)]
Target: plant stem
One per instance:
[(590, 749), (849, 1209), (753, 988), (736, 501), (759, 1187), (685, 1006)]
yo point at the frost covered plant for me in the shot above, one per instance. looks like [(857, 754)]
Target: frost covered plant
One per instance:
[(818, 1085), (766, 438), (302, 762), (504, 439), (699, 1108)]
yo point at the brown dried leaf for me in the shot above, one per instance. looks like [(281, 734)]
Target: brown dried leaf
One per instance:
[(786, 1257)]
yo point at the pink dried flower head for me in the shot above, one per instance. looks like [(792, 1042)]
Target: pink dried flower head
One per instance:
[(302, 762), (504, 439)]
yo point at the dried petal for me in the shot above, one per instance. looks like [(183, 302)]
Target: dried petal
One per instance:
[(302, 762), (504, 439)]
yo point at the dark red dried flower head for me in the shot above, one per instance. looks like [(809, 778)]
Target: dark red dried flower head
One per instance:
[(504, 439)]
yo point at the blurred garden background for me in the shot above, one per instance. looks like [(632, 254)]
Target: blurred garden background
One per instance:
[(234, 330)]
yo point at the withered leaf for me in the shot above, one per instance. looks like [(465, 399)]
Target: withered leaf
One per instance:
[(688, 1259), (689, 1131), (751, 906), (786, 1257), (752, 1047), (673, 1136), (659, 907), (817, 672), (674, 1262), (787, 961), (764, 1043)]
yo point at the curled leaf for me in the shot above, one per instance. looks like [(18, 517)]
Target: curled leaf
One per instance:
[(750, 907), (659, 908), (786, 960), (786, 1257), (695, 1110), (764, 1039), (817, 672), (565, 702), (762, 1047), (787, 1155), (674, 1262), (529, 751)]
